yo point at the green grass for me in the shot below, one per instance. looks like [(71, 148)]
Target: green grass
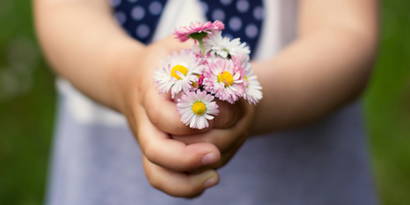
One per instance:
[(387, 105), (27, 107)]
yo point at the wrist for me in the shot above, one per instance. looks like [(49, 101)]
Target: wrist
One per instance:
[(125, 61)]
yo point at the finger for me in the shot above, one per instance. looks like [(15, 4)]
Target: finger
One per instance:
[(228, 116), (179, 184), (230, 153), (226, 156), (163, 113), (224, 139), (159, 148)]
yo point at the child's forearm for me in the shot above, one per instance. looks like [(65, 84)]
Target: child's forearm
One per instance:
[(325, 68), (84, 44)]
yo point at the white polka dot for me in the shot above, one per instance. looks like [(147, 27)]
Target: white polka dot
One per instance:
[(235, 23), (121, 17), (155, 8), (138, 13), (251, 30), (143, 31), (115, 2), (242, 6), (218, 14), (258, 13), (226, 2), (204, 7)]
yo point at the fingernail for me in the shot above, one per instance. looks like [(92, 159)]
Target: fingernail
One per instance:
[(211, 182), (209, 159)]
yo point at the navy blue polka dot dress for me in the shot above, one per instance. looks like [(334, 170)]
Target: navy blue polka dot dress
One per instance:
[(243, 18)]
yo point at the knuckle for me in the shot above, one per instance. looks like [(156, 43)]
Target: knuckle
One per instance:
[(150, 151)]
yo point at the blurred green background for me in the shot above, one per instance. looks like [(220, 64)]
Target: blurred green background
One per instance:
[(28, 104)]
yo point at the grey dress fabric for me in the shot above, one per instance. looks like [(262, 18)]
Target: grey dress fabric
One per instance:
[(326, 163)]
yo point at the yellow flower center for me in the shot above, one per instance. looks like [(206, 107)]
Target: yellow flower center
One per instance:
[(198, 108), (181, 69), (226, 78)]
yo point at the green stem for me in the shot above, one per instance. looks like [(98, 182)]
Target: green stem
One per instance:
[(201, 46)]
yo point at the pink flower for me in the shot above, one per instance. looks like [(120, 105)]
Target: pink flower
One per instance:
[(196, 108), (224, 79), (198, 30), (241, 62)]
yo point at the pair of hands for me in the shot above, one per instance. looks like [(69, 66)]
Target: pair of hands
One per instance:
[(177, 160)]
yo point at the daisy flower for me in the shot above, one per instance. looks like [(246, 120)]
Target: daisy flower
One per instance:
[(179, 72), (225, 47), (253, 89), (196, 108), (223, 79), (198, 31)]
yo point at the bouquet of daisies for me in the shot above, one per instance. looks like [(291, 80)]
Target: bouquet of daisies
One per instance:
[(215, 68)]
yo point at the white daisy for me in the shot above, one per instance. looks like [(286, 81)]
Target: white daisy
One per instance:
[(225, 47), (196, 108), (253, 89), (178, 73)]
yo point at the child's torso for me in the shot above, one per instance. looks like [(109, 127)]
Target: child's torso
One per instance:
[(97, 160)]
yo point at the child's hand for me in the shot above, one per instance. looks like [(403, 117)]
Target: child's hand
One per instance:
[(228, 131), (166, 161)]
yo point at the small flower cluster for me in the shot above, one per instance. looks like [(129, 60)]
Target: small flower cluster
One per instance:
[(216, 68)]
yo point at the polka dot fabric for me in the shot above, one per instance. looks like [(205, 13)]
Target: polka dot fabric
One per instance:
[(242, 18), (138, 17)]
